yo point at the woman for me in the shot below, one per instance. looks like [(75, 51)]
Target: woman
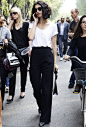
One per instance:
[(43, 34), (79, 40), (4, 34), (19, 31)]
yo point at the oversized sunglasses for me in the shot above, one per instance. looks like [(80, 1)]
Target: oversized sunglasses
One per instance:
[(39, 9), (13, 13)]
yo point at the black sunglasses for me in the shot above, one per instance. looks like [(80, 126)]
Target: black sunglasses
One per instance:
[(13, 13), (39, 9)]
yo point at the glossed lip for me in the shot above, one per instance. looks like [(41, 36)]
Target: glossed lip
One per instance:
[(38, 13)]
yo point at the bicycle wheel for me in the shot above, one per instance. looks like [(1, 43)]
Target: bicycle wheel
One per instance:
[(82, 97), (84, 111)]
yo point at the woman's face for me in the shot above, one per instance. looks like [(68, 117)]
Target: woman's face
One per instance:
[(83, 24), (38, 10), (14, 15)]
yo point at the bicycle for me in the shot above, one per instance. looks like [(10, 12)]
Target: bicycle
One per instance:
[(80, 75)]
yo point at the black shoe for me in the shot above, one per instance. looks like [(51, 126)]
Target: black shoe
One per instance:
[(9, 101), (76, 91), (21, 97), (39, 111), (41, 124), (70, 86)]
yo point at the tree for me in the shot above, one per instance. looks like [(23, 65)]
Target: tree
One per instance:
[(81, 5), (26, 7), (4, 8)]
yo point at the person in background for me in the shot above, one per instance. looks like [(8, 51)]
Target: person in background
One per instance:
[(5, 21), (7, 85), (79, 40), (73, 24), (63, 29), (68, 20), (19, 31), (43, 34), (57, 40), (7, 79), (4, 35)]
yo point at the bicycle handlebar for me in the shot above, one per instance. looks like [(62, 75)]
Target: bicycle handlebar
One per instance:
[(78, 61)]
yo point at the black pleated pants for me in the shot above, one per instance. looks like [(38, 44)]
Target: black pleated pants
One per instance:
[(41, 75)]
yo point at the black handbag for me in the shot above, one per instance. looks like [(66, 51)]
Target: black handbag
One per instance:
[(55, 90)]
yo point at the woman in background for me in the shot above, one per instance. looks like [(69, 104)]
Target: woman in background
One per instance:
[(79, 40), (19, 31)]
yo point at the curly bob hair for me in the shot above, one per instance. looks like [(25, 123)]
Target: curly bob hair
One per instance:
[(46, 10)]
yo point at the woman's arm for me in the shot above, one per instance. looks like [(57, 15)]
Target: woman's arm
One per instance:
[(73, 45), (30, 49), (10, 24), (54, 47), (31, 33), (71, 50), (70, 34), (8, 37)]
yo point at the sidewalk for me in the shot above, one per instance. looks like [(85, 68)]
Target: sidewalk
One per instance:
[(65, 107)]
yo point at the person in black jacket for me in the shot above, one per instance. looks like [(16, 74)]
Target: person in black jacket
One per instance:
[(19, 31), (4, 35), (73, 24)]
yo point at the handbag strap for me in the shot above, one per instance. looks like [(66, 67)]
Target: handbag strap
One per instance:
[(1, 33)]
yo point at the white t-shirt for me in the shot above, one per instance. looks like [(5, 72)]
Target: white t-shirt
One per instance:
[(43, 37)]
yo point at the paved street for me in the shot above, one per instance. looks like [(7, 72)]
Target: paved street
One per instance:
[(65, 109)]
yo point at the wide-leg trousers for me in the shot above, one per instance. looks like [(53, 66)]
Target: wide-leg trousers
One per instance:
[(41, 75)]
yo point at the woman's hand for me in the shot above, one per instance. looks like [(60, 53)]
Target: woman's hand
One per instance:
[(66, 57), (56, 67), (29, 52), (11, 23), (5, 42), (35, 18)]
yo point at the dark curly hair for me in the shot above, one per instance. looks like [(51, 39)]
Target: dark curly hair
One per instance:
[(46, 10), (78, 29)]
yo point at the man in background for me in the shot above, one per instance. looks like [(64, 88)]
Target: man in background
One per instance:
[(73, 24), (63, 29)]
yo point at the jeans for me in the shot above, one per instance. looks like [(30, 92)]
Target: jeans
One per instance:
[(61, 39), (7, 82)]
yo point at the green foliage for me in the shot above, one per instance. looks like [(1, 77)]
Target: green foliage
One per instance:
[(54, 4), (81, 5), (4, 8)]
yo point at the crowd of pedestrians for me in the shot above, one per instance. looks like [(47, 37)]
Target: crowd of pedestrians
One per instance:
[(41, 35)]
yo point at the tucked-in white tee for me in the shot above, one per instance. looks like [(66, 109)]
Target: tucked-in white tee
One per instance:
[(43, 37)]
